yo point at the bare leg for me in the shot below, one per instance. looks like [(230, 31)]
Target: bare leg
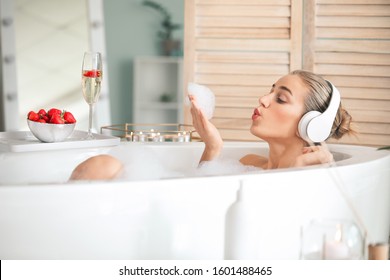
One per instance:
[(101, 167)]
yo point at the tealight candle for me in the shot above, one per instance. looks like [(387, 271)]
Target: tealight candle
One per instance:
[(186, 137), (141, 137), (335, 250), (158, 138), (180, 138)]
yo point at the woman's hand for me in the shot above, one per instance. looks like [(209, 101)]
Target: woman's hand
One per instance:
[(313, 155), (207, 131)]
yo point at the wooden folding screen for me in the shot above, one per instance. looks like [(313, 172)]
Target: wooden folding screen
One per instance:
[(239, 48)]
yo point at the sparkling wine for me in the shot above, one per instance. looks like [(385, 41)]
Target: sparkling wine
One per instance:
[(91, 83), (91, 78)]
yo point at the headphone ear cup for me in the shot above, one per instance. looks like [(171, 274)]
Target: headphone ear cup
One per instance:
[(304, 124)]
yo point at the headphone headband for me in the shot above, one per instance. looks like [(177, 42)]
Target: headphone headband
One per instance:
[(315, 126)]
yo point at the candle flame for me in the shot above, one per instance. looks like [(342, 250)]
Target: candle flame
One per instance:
[(339, 233)]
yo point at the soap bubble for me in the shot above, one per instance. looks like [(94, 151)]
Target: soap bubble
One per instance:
[(204, 98)]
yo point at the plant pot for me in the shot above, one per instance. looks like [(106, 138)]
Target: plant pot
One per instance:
[(171, 47)]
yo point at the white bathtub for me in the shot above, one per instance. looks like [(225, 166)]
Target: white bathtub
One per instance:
[(43, 217)]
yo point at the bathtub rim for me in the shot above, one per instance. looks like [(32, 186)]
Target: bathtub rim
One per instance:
[(356, 154), (359, 155)]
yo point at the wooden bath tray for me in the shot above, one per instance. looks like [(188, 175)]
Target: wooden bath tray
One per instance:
[(25, 141)]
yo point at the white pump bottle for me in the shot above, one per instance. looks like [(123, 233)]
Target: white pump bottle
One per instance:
[(240, 229)]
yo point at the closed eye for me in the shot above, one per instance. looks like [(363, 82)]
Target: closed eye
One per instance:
[(280, 99)]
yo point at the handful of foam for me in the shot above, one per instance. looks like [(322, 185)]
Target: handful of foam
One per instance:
[(204, 98)]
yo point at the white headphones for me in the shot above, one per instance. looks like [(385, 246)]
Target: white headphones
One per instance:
[(315, 126)]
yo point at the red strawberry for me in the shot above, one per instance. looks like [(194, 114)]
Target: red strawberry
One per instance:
[(42, 112), (57, 119), (45, 118), (69, 118), (92, 73), (33, 116), (53, 111), (43, 115), (42, 121)]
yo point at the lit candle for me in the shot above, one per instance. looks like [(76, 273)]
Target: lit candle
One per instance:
[(158, 138), (186, 137), (336, 249), (180, 138), (141, 137)]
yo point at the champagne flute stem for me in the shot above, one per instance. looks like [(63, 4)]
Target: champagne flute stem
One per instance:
[(90, 121)]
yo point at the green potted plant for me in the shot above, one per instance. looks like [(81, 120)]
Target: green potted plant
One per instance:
[(384, 148), (170, 46)]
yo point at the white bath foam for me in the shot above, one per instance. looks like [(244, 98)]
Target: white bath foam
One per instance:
[(144, 164), (205, 98), (139, 164), (223, 166)]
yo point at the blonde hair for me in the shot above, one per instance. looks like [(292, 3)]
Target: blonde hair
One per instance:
[(318, 100)]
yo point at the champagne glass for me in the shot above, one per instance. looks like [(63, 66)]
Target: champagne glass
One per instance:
[(91, 75)]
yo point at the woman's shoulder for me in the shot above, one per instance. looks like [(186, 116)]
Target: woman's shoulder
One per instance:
[(254, 160)]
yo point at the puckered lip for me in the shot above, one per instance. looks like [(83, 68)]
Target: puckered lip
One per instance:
[(256, 114)]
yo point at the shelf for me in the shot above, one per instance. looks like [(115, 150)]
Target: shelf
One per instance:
[(153, 77)]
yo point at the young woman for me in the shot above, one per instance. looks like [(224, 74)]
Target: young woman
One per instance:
[(275, 120)]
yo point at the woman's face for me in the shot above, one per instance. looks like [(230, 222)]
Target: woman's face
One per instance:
[(279, 112)]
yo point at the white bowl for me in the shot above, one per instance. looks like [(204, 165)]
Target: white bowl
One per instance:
[(50, 132)]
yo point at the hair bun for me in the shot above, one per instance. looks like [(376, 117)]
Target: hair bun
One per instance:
[(342, 124)]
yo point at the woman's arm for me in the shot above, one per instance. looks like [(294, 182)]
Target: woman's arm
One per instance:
[(207, 132)]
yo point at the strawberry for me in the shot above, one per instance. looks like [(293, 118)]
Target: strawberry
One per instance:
[(42, 112), (57, 119), (43, 115), (54, 116), (32, 116), (45, 118), (69, 118), (92, 73), (53, 111)]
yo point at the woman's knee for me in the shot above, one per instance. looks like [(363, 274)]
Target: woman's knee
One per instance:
[(101, 167)]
